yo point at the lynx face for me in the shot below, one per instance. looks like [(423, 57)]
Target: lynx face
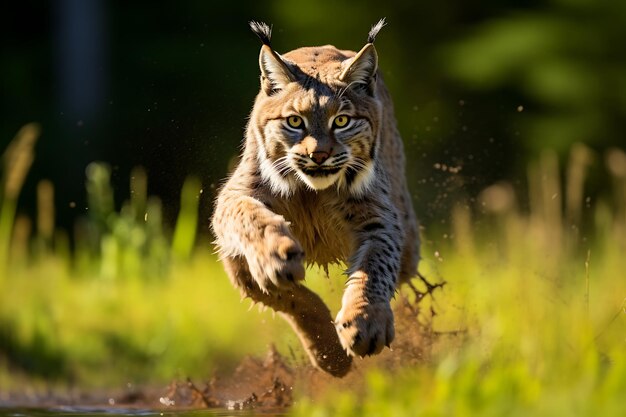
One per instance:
[(318, 119)]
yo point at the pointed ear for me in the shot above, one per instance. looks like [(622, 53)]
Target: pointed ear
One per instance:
[(361, 70), (275, 74)]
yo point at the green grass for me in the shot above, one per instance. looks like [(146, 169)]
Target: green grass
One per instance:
[(532, 320), (102, 332), (542, 331)]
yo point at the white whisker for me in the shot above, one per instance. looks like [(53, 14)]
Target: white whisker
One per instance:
[(282, 166), (358, 163)]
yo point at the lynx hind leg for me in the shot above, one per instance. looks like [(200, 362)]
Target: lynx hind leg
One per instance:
[(304, 310)]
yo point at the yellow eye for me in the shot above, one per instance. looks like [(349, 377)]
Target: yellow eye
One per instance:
[(295, 122), (341, 121)]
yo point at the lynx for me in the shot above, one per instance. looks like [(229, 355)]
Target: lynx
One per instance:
[(321, 181)]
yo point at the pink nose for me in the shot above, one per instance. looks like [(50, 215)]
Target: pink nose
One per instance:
[(319, 157)]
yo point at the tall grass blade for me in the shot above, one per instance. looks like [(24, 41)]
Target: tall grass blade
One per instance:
[(16, 162), (187, 223)]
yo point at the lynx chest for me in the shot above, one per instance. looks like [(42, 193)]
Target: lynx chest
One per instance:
[(317, 220)]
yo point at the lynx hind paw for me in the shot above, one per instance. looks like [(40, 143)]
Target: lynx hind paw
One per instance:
[(365, 330), (278, 264)]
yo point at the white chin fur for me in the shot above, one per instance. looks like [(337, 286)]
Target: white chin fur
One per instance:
[(278, 185), (363, 181), (316, 183)]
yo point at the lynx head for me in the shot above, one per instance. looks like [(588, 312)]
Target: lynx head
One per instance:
[(317, 118)]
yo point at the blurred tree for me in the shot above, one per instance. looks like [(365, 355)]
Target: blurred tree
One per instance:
[(566, 63), (478, 87)]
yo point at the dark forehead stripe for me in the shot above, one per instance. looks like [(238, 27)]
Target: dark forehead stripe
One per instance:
[(314, 82)]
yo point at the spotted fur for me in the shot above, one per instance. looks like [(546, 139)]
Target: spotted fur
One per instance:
[(308, 191)]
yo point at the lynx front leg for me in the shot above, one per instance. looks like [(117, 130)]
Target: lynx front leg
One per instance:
[(246, 227), (365, 322), (304, 311)]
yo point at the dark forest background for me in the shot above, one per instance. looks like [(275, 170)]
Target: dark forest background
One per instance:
[(480, 87)]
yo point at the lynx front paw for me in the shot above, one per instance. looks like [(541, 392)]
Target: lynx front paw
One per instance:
[(277, 261), (364, 329)]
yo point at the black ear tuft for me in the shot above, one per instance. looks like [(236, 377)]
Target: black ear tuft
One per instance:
[(371, 37), (262, 30)]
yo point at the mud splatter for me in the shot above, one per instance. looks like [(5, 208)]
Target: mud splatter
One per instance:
[(255, 384)]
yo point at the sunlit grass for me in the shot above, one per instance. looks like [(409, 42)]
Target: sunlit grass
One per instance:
[(105, 332), (528, 345), (532, 320)]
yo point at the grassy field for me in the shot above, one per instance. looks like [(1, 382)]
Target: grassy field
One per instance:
[(93, 333), (527, 338), (531, 321)]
